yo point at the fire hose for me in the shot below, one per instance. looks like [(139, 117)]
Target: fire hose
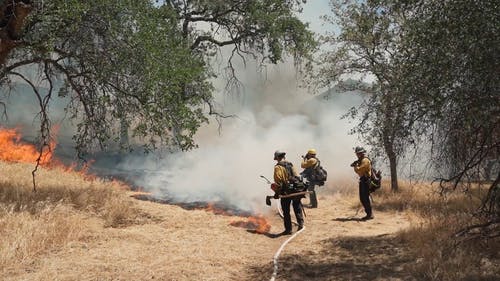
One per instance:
[(280, 211), (277, 254)]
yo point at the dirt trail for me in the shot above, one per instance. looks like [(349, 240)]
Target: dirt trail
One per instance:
[(178, 244), (338, 246)]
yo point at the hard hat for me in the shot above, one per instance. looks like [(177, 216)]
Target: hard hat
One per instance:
[(278, 154), (311, 151), (359, 149)]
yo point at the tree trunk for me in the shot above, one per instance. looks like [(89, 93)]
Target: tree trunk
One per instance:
[(12, 17), (491, 204), (389, 150), (6, 46), (394, 172), (124, 141)]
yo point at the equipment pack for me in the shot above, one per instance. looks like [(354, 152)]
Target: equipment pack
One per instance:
[(294, 182), (319, 174), (375, 179)]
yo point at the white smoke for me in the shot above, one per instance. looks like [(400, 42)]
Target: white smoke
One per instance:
[(272, 114)]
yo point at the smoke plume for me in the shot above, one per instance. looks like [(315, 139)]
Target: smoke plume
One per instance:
[(272, 113)]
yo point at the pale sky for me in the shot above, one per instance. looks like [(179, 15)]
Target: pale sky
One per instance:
[(313, 9)]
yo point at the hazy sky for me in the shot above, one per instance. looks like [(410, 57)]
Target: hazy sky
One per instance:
[(313, 9)]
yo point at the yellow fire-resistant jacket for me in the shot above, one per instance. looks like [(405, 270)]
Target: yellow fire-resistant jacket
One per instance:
[(364, 168), (308, 163), (280, 174)]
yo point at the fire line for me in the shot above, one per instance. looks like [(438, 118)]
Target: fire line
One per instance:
[(12, 149)]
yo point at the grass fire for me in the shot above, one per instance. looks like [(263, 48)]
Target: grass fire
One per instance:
[(249, 140), (12, 149), (257, 223), (241, 218), (75, 220)]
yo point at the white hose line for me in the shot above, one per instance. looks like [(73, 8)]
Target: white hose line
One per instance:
[(277, 254)]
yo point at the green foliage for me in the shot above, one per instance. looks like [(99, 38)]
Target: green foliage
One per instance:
[(455, 80), (455, 86), (266, 28), (435, 67), (370, 45), (143, 68)]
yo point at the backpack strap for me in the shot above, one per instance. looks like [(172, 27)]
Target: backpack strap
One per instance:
[(289, 170)]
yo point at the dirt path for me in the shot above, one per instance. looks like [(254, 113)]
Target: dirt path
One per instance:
[(338, 246), (178, 244)]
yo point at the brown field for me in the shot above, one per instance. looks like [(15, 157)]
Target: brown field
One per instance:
[(77, 229)]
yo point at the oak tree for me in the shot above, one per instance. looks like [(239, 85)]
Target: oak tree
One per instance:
[(137, 67)]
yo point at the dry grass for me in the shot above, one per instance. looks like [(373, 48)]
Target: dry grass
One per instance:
[(62, 232), (55, 187), (426, 200), (26, 237), (33, 223), (438, 253)]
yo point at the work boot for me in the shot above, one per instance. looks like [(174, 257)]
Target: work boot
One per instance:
[(367, 217), (286, 232)]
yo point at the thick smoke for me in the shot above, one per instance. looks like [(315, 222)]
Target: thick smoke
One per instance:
[(272, 113)]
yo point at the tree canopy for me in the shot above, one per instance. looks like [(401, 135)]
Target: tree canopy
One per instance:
[(455, 87), (435, 67), (138, 66), (370, 45)]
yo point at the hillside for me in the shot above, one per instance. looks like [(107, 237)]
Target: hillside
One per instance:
[(88, 229)]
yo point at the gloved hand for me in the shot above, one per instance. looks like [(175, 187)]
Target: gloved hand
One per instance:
[(276, 196), (355, 163)]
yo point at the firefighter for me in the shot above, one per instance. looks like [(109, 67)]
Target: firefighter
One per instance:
[(309, 163), (363, 168), (284, 173)]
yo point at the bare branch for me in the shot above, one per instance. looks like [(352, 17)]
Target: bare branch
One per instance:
[(44, 119)]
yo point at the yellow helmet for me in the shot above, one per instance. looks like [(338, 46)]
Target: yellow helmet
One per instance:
[(311, 151)]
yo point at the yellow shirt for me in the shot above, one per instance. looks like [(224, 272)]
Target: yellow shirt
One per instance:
[(280, 174), (308, 163), (364, 168)]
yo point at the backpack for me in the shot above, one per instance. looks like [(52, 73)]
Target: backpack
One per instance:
[(294, 182), (375, 179), (319, 174)]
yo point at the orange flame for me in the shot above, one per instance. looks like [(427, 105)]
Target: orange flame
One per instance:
[(83, 170), (13, 150), (256, 223)]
